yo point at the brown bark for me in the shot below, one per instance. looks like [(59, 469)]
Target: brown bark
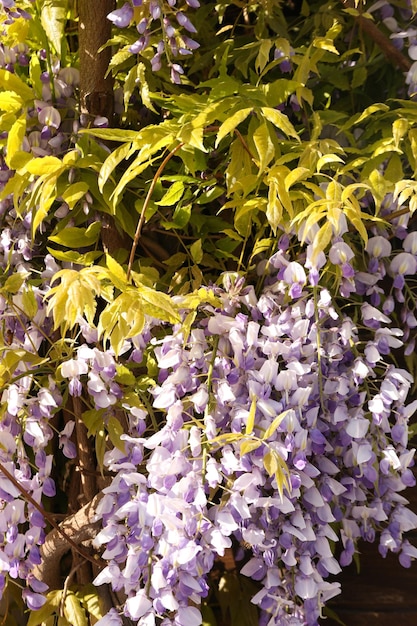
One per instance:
[(94, 31), (79, 528), (394, 56)]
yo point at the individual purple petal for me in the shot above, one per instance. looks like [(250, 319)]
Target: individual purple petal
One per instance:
[(121, 17), (33, 600), (183, 21)]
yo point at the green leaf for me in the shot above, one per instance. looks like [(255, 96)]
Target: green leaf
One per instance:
[(250, 423), (264, 146), (74, 193), (10, 101), (93, 419), (117, 272), (173, 195), (275, 424), (249, 445), (231, 123), (115, 157), (280, 120), (111, 134), (15, 140), (13, 283), (360, 117), (360, 74), (196, 251), (74, 611), (44, 165), (71, 256), (73, 237), (91, 601), (115, 430), (124, 376), (12, 82), (158, 304), (53, 18)]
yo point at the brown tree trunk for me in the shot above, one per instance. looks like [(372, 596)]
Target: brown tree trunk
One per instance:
[(94, 30)]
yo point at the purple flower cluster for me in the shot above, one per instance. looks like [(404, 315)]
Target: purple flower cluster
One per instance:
[(12, 12), (164, 27), (270, 436)]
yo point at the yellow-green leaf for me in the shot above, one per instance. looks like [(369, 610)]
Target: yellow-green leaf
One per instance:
[(264, 145), (249, 445), (275, 424), (158, 304), (54, 18), (13, 283), (74, 193), (116, 271), (12, 82), (91, 601), (270, 462), (232, 122), (321, 240), (74, 237), (280, 120), (250, 423), (399, 129), (15, 139), (10, 101), (196, 251), (173, 195), (115, 430), (298, 173), (263, 55), (44, 165)]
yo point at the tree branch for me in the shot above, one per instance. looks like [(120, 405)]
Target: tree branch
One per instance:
[(70, 533), (394, 56)]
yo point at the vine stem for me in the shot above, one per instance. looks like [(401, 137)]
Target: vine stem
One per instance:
[(146, 204), (46, 515)]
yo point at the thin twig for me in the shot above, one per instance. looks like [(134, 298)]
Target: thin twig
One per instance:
[(45, 514), (145, 206)]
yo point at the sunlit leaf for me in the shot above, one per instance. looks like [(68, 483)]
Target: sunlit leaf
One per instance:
[(264, 146), (10, 101), (232, 122), (280, 120), (275, 424), (74, 237), (74, 193), (15, 140), (249, 445), (12, 82), (54, 18)]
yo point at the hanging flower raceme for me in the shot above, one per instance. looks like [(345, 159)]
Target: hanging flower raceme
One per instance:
[(267, 405), (162, 25)]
